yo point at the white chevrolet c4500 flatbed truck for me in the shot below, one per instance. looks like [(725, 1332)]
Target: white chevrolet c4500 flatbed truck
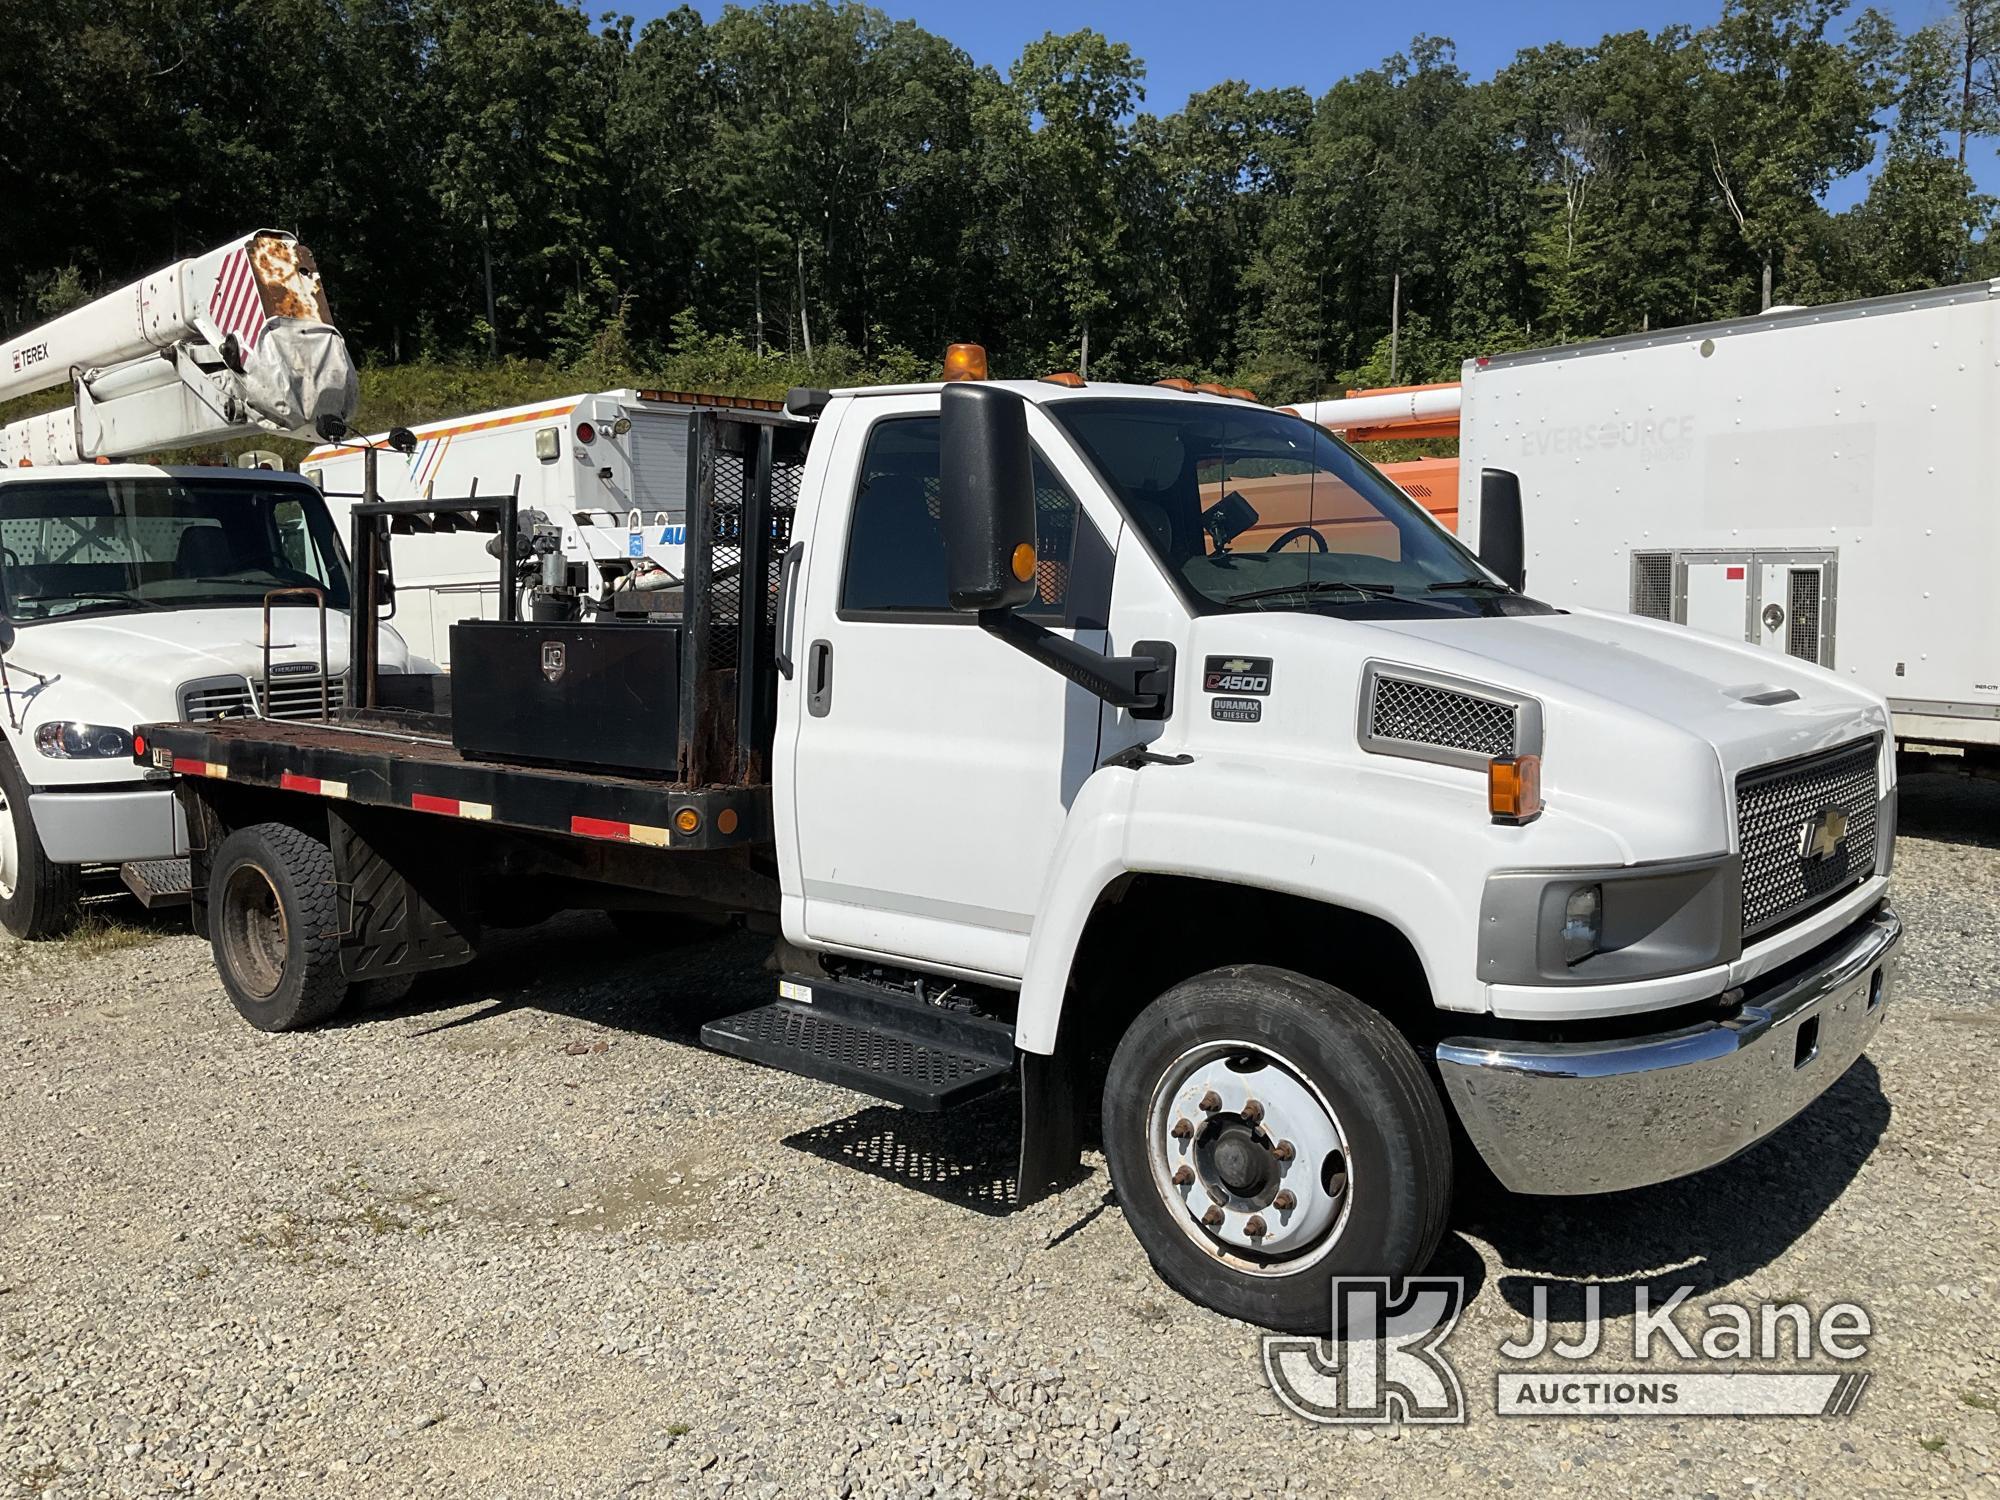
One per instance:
[(1303, 861)]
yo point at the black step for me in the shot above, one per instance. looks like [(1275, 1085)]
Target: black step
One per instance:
[(157, 883), (923, 1057)]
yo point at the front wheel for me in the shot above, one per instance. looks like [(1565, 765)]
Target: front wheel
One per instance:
[(274, 925), (37, 895), (1267, 1132)]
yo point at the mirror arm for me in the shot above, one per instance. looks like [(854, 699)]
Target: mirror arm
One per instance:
[(1142, 683)]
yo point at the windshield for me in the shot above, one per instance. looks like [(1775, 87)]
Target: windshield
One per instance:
[(93, 546), (1250, 508)]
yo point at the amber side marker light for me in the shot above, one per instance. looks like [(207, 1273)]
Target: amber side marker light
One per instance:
[(687, 820), (1514, 788), (965, 362), (1024, 561)]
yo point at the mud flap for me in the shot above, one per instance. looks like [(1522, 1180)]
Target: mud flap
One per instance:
[(394, 914), (1051, 1123)]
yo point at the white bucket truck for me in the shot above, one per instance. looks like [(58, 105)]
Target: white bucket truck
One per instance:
[(129, 592)]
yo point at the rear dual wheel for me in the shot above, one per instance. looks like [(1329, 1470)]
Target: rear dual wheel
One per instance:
[(1267, 1132)]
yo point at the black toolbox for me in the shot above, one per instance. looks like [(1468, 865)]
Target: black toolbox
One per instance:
[(603, 695)]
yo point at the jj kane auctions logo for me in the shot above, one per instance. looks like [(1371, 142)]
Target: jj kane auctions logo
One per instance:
[(1387, 1362)]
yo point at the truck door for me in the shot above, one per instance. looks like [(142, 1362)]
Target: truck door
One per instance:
[(932, 766)]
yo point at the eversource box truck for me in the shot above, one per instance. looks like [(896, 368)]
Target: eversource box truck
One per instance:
[(1820, 482)]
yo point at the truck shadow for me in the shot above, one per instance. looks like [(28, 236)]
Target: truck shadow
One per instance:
[(1948, 808), (574, 965), (1704, 1231), (965, 1157)]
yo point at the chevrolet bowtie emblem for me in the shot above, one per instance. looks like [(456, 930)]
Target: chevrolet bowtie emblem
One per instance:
[(1820, 838), (1237, 664)]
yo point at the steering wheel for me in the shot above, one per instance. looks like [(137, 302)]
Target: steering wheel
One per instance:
[(1319, 542)]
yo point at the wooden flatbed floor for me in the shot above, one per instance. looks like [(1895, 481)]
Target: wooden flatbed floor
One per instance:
[(384, 768)]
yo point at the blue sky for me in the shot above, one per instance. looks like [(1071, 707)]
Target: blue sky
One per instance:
[(1190, 44)]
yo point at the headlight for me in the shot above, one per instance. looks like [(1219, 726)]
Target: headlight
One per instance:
[(1583, 923), (66, 741)]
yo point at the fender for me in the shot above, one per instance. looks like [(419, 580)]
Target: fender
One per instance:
[(1405, 842)]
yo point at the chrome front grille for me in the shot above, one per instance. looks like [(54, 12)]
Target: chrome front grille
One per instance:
[(232, 698), (1807, 832), (1419, 713)]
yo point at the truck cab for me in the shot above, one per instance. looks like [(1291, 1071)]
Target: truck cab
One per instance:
[(134, 593), (1554, 848)]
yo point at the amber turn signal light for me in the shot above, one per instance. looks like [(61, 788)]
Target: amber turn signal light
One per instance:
[(1024, 561), (1514, 788)]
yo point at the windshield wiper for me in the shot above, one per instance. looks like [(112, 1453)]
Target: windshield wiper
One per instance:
[(1314, 586), (1468, 583), (132, 599)]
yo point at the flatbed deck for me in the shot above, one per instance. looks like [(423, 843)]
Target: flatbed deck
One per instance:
[(383, 768)]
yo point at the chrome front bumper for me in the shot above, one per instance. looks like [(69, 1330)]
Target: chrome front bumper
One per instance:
[(1595, 1117)]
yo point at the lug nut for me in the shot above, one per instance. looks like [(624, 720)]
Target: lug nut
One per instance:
[(1213, 1218), (1253, 1111), (1183, 1128), (1284, 1151), (1183, 1175), (1254, 1226), (1211, 1102), (1285, 1202)]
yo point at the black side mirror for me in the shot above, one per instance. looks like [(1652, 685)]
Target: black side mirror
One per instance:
[(6, 635), (987, 500), (1501, 544)]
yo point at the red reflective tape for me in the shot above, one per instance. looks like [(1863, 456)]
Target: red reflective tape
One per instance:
[(601, 828), (451, 807), (1733, 573), (200, 768), (292, 782)]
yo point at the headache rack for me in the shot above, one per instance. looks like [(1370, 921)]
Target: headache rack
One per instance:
[(744, 469)]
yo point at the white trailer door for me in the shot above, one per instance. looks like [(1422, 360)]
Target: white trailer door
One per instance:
[(1718, 595)]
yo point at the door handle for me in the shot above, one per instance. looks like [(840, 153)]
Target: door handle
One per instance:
[(819, 679), (787, 574)]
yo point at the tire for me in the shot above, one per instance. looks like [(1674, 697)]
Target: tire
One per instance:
[(37, 895), (1321, 1066), (274, 927)]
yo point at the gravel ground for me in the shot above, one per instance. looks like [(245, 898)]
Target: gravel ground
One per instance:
[(519, 1236)]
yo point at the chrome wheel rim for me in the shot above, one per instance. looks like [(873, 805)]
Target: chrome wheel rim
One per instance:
[(1249, 1157)]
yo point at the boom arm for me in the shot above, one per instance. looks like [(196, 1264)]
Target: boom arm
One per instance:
[(235, 342)]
